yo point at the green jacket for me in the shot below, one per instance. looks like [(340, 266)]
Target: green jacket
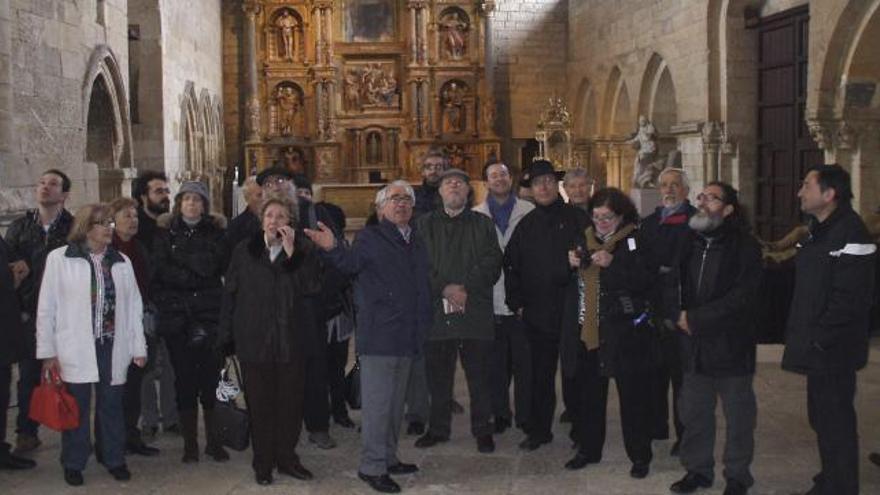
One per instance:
[(462, 250)]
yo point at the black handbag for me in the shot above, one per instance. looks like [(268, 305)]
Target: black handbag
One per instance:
[(353, 386), (232, 425)]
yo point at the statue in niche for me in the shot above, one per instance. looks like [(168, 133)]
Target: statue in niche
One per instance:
[(287, 24), (288, 101), (293, 160), (374, 148), (645, 170), (454, 29), (352, 91), (454, 113), (488, 114)]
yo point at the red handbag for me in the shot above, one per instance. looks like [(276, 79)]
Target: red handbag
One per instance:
[(53, 406)]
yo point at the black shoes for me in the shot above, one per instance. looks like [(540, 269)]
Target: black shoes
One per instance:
[(415, 428), (874, 457), (73, 477), (501, 424), (263, 479), (217, 452), (13, 462), (140, 448), (533, 443), (382, 483), (485, 444), (690, 483), (297, 471), (640, 470), (120, 473), (402, 468), (734, 487), (343, 421), (429, 440), (580, 461)]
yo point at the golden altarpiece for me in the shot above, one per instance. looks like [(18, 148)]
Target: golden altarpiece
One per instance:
[(359, 89)]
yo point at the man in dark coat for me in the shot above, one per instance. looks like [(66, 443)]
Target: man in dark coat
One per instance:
[(30, 240), (151, 191), (393, 298), (12, 337), (536, 274), (247, 223), (720, 272), (428, 199), (827, 331), (465, 264), (663, 234)]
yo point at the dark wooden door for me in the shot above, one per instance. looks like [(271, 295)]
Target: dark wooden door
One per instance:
[(785, 148)]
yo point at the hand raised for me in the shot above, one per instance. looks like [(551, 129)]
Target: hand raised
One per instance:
[(323, 237)]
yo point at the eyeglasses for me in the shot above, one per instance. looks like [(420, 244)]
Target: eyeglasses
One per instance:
[(106, 223), (707, 198), (273, 180), (604, 218), (401, 200), (543, 180), (434, 166), (162, 190)]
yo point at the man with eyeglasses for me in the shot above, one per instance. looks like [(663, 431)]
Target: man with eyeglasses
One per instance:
[(536, 274), (428, 199), (30, 240), (663, 234), (719, 273)]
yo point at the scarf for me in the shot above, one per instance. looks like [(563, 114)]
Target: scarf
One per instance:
[(590, 280), (501, 211)]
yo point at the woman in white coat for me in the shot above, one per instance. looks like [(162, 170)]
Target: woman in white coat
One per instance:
[(89, 329)]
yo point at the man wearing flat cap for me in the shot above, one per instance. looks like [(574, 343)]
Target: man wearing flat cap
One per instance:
[(536, 273), (465, 262)]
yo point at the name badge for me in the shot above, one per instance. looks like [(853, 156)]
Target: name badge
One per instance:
[(631, 242)]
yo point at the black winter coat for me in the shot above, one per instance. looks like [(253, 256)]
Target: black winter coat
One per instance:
[(244, 226), (188, 264), (720, 277), (828, 325), (663, 241), (29, 242), (626, 334), (536, 271), (263, 302), (12, 337)]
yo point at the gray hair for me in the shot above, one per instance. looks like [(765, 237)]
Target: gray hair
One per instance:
[(381, 196), (681, 173), (575, 173)]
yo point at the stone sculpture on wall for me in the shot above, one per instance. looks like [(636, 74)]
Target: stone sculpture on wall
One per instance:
[(288, 102), (454, 26), (645, 169), (453, 109), (287, 26)]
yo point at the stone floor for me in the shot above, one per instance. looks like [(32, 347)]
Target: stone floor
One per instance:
[(784, 461)]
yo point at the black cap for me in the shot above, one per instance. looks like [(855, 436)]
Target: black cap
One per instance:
[(276, 170), (539, 168)]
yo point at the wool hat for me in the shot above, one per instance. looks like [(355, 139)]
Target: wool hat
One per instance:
[(455, 172), (195, 187)]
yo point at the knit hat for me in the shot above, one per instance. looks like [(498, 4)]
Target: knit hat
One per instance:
[(195, 187)]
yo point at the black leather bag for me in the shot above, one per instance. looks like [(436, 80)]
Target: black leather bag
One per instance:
[(232, 425), (353, 386)]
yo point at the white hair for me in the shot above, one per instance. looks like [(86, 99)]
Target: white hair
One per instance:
[(381, 196), (574, 174), (681, 173)]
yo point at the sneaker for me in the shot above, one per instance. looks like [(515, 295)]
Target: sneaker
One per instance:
[(322, 439), (25, 442)]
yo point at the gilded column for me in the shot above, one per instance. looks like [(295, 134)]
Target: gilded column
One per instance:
[(414, 35), (252, 95), (319, 35)]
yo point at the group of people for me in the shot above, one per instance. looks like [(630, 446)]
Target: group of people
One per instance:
[(515, 287)]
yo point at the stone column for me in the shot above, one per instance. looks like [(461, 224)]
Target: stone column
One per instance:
[(319, 106), (712, 133), (252, 94), (6, 127), (423, 37), (414, 35)]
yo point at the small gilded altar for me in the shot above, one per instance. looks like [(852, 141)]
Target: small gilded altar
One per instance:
[(356, 91)]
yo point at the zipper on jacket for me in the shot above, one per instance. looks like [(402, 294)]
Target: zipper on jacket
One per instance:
[(703, 266)]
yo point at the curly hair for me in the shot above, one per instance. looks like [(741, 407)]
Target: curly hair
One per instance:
[(615, 200)]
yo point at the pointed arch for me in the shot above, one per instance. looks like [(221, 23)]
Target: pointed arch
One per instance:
[(616, 109), (586, 118), (657, 99), (104, 82)]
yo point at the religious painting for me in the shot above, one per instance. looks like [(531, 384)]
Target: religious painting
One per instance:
[(370, 21), (370, 86)]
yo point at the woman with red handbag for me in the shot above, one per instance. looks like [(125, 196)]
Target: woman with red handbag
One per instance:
[(89, 329)]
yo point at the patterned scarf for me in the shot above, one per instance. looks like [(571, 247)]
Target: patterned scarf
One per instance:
[(590, 280)]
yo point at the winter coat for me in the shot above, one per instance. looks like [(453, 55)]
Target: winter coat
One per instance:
[(626, 334), (520, 208), (720, 276), (243, 227), (263, 310), (12, 336), (147, 229), (463, 250), (392, 289), (188, 264), (663, 241), (427, 200), (29, 242), (536, 270), (828, 325), (64, 316)]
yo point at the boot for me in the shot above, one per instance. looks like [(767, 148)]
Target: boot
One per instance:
[(213, 448), (190, 433)]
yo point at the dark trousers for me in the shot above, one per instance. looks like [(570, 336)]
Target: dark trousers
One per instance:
[(383, 388), (76, 444), (417, 400), (28, 378), (545, 360), (511, 358), (699, 396), (337, 358), (633, 390), (668, 372), (274, 393), (5, 383), (440, 358), (317, 404), (131, 402), (196, 373), (833, 418)]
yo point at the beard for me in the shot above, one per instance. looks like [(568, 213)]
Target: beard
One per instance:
[(159, 208), (705, 222)]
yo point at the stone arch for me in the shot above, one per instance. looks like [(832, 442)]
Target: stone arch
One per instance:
[(657, 99), (586, 119), (616, 106), (107, 122), (731, 57), (851, 61), (191, 136)]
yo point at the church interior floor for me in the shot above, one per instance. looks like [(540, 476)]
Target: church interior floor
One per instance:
[(785, 456)]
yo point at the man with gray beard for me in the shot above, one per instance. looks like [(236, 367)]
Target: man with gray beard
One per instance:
[(720, 273)]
